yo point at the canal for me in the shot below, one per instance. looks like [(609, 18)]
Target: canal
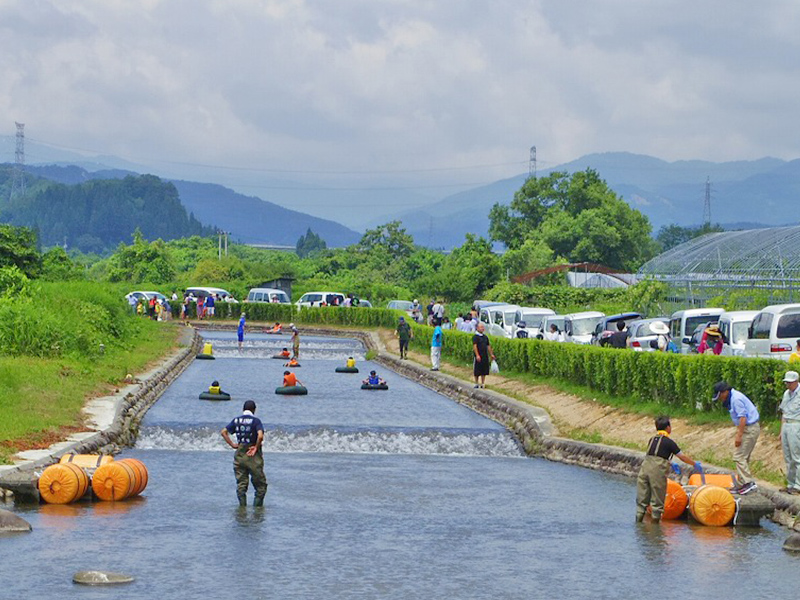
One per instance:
[(372, 494)]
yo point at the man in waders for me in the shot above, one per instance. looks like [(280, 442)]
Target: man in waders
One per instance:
[(248, 462), (651, 484)]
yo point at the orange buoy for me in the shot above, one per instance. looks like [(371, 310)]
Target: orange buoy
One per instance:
[(675, 502), (719, 479), (141, 474), (63, 483), (114, 481), (712, 505), (87, 461)]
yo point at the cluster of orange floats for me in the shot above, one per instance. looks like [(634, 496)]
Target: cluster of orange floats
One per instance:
[(710, 504), (110, 480)]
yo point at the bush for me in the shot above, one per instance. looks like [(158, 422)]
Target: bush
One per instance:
[(327, 315), (670, 379)]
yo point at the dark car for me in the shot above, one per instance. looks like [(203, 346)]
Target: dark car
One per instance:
[(608, 325)]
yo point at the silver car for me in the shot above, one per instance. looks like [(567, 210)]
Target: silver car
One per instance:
[(640, 334)]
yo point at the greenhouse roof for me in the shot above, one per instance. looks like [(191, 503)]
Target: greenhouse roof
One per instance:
[(754, 255)]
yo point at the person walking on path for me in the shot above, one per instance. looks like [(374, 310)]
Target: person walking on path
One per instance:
[(295, 342), (436, 347), (744, 415), (482, 349), (404, 335), (248, 462), (240, 330), (651, 483), (790, 431)]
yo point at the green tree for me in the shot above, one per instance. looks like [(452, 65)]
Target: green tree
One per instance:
[(142, 261), (673, 235), (18, 248), (309, 243), (390, 238), (57, 266)]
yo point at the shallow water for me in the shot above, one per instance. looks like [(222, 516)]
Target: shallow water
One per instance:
[(398, 494)]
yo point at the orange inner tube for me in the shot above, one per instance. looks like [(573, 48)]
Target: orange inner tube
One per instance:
[(712, 505)]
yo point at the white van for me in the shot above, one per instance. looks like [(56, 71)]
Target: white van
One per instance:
[(579, 327), (683, 323), (317, 298), (205, 292), (734, 326), (547, 320), (271, 295), (499, 320), (533, 319), (774, 332)]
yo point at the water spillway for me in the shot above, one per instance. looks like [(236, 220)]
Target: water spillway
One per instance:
[(402, 494)]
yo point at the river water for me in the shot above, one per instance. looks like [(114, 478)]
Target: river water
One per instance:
[(373, 494)]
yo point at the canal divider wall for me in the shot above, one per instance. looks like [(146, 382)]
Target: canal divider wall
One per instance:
[(128, 407)]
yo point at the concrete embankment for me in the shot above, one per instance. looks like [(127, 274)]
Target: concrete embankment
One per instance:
[(113, 422)]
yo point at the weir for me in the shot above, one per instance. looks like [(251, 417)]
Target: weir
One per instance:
[(398, 494)]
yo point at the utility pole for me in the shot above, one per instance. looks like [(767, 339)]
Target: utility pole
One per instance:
[(532, 164), (18, 173), (707, 205), (219, 244), (226, 243)]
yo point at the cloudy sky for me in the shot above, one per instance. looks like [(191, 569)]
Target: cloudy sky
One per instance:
[(430, 94)]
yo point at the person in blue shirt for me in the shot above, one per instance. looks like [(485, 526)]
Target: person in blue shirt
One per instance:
[(240, 330), (436, 347), (373, 379), (248, 462), (744, 415), (210, 304)]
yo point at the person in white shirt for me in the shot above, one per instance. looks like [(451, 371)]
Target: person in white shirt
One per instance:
[(553, 335)]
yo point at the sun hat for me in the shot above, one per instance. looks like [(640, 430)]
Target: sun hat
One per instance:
[(719, 387), (659, 328), (791, 376)]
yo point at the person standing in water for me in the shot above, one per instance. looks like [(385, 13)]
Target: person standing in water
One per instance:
[(240, 330), (248, 462), (295, 342)]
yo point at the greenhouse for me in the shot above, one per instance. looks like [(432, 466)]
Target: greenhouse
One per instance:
[(764, 261)]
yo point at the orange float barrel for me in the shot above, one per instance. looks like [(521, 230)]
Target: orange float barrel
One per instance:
[(87, 461), (719, 479), (675, 502), (712, 505), (63, 483), (141, 474), (114, 481)]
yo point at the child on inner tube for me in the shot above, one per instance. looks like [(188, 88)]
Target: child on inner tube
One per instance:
[(290, 379), (373, 379), (215, 389), (351, 362), (285, 353)]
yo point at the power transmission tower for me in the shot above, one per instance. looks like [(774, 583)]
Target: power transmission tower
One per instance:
[(18, 173), (532, 164), (707, 205)]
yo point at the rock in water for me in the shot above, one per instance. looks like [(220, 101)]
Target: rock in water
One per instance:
[(792, 543), (100, 578), (11, 522)]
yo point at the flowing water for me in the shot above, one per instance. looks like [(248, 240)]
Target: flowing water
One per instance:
[(373, 494)]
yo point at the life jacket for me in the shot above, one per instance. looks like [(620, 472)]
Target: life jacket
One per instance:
[(374, 380), (214, 389), (351, 362), (276, 329), (293, 363), (285, 353), (289, 380)]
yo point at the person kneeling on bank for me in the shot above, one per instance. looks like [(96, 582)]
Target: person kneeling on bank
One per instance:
[(373, 379), (651, 484), (290, 379)]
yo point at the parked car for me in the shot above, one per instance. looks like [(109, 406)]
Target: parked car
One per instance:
[(145, 296), (479, 305), (734, 326), (364, 303), (270, 295), (774, 332), (579, 327), (640, 334), (608, 325), (204, 292), (683, 323), (547, 321), (310, 299), (532, 318), (499, 319)]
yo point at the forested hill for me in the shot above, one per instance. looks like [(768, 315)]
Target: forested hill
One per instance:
[(97, 215)]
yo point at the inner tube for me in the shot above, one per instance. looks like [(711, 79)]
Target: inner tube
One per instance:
[(288, 366), (347, 369), (379, 386), (205, 357), (291, 390), (278, 356), (268, 332), (210, 396)]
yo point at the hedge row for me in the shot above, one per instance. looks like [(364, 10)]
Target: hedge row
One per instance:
[(671, 379), (329, 315)]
